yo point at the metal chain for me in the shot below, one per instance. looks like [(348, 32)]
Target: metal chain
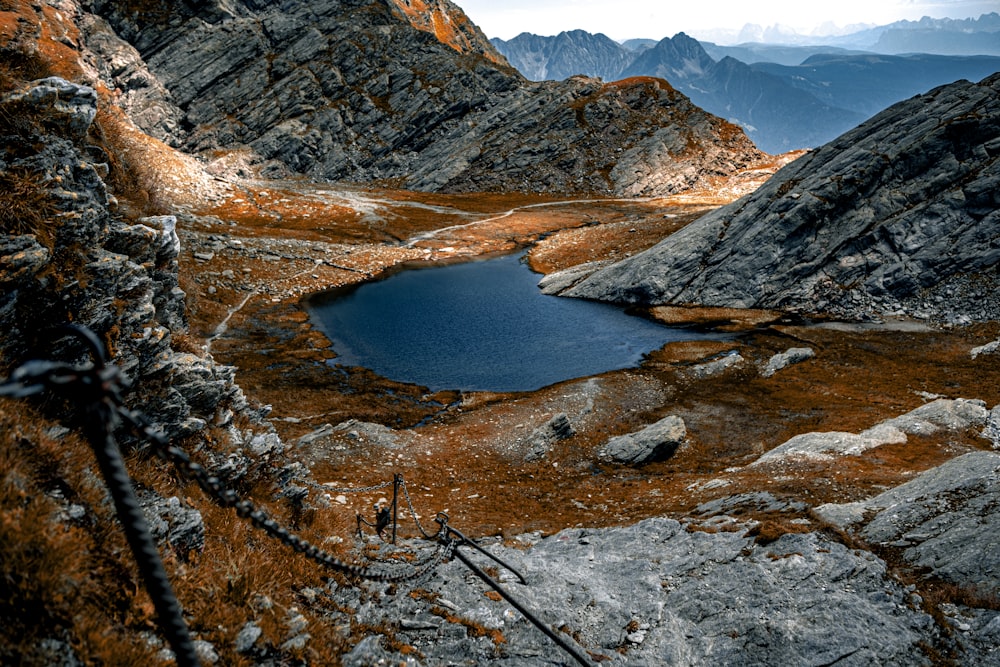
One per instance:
[(245, 509), (98, 386), (413, 513)]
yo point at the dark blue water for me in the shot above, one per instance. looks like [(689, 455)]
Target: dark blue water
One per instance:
[(481, 325)]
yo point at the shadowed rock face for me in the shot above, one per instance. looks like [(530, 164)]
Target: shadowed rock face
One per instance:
[(903, 210), (367, 90)]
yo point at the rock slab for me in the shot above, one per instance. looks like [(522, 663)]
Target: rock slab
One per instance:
[(898, 216), (656, 442)]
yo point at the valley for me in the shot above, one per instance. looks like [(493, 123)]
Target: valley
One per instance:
[(816, 486), (860, 376)]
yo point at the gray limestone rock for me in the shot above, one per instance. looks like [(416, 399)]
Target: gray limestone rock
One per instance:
[(69, 105), (989, 348), (181, 527), (829, 445), (328, 90), (542, 438), (324, 431), (759, 501), (992, 430), (369, 433), (661, 592), (718, 366), (885, 219), (947, 520), (656, 442), (941, 414), (247, 637), (785, 359), (559, 281)]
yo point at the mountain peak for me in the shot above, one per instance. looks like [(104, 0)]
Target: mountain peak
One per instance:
[(450, 25)]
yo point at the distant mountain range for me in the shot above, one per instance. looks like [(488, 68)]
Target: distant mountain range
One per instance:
[(941, 36), (785, 97)]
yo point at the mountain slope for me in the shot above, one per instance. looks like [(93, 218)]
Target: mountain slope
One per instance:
[(566, 54), (366, 90), (869, 83), (777, 116), (902, 211), (942, 36)]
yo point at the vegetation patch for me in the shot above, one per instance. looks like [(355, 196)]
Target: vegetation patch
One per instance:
[(26, 205)]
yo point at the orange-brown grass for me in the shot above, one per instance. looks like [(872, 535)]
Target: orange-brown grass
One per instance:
[(450, 27), (26, 206), (473, 628), (35, 42), (771, 529), (136, 183), (75, 580), (60, 580)]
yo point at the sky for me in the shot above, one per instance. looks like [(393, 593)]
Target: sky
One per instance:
[(656, 19)]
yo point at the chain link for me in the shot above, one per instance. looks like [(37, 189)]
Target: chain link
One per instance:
[(413, 513), (98, 385)]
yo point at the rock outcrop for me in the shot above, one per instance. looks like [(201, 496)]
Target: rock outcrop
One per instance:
[(663, 592), (898, 216), (367, 90), (942, 414), (79, 262), (656, 442), (946, 520)]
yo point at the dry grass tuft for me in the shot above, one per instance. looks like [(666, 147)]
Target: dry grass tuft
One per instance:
[(61, 578), (26, 206), (472, 628), (137, 185), (771, 530)]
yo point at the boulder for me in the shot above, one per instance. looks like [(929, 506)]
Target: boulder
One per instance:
[(656, 442), (785, 359), (724, 363), (542, 438), (989, 348)]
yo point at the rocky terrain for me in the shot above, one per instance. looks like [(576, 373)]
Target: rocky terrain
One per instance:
[(814, 95), (793, 493), (898, 216), (365, 91)]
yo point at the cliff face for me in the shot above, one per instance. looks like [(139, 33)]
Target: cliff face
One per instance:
[(68, 254), (405, 93), (899, 215)]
